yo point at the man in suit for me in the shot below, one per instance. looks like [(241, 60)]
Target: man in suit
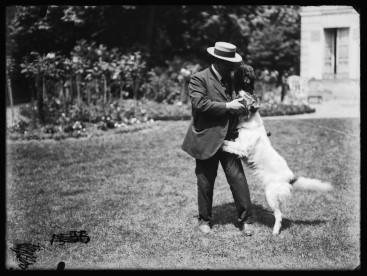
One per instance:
[(214, 120)]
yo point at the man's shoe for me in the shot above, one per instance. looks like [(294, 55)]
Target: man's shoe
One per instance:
[(204, 228), (247, 229)]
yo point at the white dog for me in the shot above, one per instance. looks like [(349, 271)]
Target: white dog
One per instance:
[(254, 147)]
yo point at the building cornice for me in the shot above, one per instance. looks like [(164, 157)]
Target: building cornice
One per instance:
[(326, 10)]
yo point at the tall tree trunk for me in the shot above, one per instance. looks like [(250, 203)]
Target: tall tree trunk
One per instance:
[(184, 91), (77, 80), (150, 27), (122, 83), (33, 95), (108, 92), (97, 87), (104, 89), (71, 89), (44, 91), (156, 89), (88, 99), (88, 93), (64, 97), (146, 90), (39, 94), (136, 88), (10, 92)]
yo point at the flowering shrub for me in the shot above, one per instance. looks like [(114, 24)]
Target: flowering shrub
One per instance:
[(83, 113), (169, 84), (271, 105), (268, 89), (49, 129), (161, 86), (21, 127), (106, 123), (26, 111)]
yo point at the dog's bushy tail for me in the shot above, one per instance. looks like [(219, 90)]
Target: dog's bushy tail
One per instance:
[(304, 183)]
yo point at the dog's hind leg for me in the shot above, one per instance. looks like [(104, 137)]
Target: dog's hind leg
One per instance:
[(278, 221), (275, 204)]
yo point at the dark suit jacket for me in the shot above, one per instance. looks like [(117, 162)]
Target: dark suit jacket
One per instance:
[(209, 123)]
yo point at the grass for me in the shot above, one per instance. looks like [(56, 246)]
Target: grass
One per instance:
[(135, 195)]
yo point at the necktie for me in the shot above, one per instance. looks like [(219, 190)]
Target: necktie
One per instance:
[(227, 86)]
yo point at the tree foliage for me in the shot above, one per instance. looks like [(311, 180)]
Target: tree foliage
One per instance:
[(265, 35), (275, 40)]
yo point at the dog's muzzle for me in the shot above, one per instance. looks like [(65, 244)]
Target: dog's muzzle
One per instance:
[(254, 108)]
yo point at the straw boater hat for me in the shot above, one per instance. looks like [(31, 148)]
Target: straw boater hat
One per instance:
[(226, 51)]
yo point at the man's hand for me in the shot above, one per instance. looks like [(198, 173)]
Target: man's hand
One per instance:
[(235, 106)]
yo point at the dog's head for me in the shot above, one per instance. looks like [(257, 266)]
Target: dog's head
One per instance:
[(244, 83), (244, 78)]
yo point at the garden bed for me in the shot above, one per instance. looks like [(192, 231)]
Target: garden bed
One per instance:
[(124, 116), (284, 109), (91, 130)]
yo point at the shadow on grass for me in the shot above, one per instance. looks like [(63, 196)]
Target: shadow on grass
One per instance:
[(227, 214)]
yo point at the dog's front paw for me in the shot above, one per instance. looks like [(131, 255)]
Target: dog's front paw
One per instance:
[(242, 153), (225, 143), (232, 150), (226, 149)]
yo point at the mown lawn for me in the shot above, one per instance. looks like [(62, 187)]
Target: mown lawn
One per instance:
[(135, 195)]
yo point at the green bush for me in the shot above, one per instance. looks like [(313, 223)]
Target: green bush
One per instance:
[(20, 127)]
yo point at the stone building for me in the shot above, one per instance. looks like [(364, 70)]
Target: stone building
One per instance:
[(330, 49)]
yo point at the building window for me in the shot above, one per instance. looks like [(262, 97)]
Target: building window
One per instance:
[(336, 53)]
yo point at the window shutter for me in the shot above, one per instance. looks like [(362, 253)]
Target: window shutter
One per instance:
[(342, 53)]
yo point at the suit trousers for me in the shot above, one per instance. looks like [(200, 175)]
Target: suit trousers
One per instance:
[(206, 173)]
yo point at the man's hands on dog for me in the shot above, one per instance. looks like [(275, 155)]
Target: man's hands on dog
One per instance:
[(235, 106)]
